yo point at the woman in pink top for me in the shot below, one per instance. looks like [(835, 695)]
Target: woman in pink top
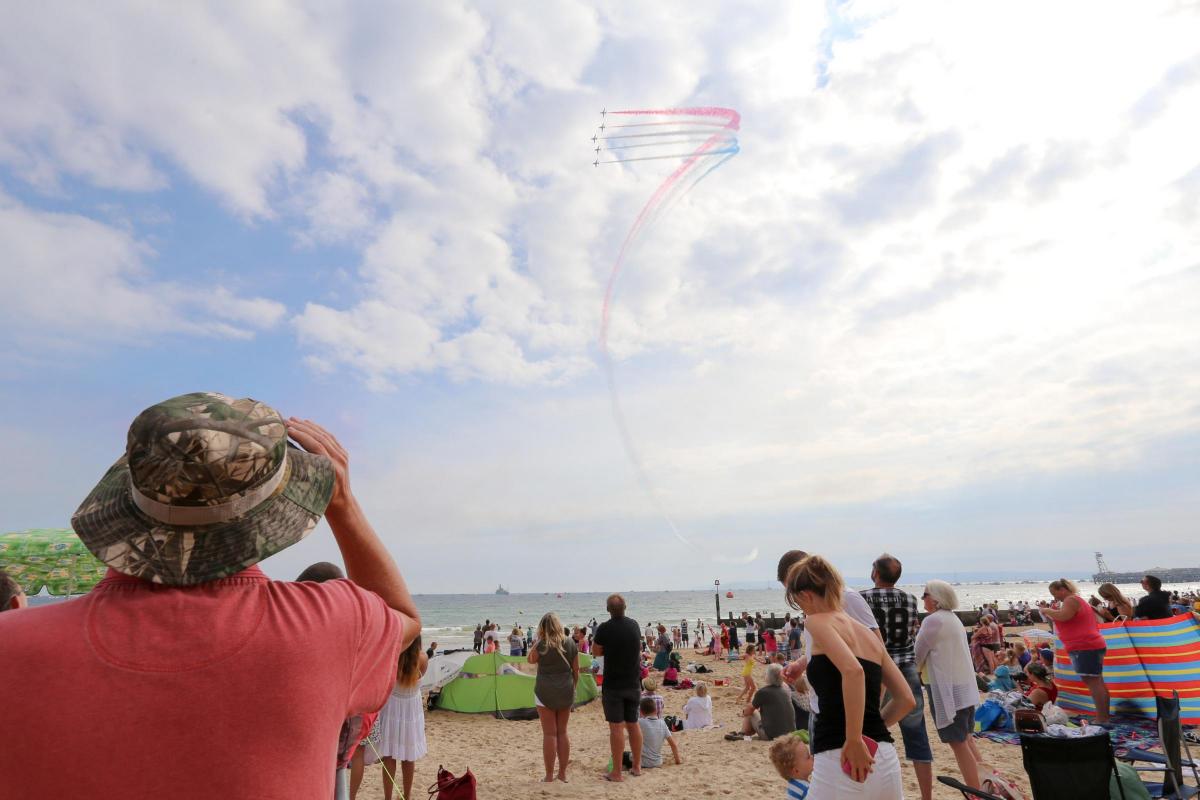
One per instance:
[(1076, 625)]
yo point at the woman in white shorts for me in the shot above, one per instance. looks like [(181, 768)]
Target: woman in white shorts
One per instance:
[(848, 666)]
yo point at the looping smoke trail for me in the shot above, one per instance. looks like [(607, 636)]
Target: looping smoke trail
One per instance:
[(712, 152)]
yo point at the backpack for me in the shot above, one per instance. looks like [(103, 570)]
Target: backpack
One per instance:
[(673, 723), (991, 715), (449, 787)]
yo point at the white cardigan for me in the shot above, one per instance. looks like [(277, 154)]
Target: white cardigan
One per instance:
[(942, 648)]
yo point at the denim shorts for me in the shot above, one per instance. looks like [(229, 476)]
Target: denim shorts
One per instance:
[(962, 726), (912, 725), (1087, 663)]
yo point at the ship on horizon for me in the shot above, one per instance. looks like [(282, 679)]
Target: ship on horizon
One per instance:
[(1164, 574), (501, 590)]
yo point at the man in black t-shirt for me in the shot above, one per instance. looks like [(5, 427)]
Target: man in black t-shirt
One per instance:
[(1156, 604), (619, 640)]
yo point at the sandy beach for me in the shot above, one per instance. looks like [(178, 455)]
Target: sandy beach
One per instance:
[(506, 756)]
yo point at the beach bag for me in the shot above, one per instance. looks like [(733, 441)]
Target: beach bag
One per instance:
[(991, 715), (673, 723), (1055, 715), (1001, 786), (449, 787)]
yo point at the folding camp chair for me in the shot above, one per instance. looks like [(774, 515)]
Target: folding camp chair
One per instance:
[(1170, 762), (1069, 768)]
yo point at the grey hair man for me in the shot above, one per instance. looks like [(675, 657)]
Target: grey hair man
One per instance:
[(769, 713)]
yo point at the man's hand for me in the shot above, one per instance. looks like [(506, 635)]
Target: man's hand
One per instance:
[(315, 439), (368, 562)]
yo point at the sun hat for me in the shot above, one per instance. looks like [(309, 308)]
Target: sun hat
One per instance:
[(208, 486)]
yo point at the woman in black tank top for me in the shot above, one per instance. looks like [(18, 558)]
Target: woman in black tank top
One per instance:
[(846, 670), (829, 730)]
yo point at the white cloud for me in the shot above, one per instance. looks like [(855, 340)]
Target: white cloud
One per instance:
[(70, 280), (971, 253)]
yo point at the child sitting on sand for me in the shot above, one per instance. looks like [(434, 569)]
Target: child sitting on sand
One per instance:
[(748, 685), (650, 691), (1023, 657), (671, 675), (794, 762), (697, 711), (654, 733)]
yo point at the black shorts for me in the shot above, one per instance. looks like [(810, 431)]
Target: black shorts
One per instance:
[(620, 705)]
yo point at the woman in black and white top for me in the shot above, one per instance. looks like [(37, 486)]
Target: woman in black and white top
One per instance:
[(847, 668)]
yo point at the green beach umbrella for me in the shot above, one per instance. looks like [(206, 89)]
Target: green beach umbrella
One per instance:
[(50, 557)]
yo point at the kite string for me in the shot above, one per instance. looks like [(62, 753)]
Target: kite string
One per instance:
[(389, 775)]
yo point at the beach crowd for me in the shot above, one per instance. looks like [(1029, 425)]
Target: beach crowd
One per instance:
[(206, 679)]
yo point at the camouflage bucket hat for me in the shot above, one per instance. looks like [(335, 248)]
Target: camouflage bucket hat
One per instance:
[(207, 487)]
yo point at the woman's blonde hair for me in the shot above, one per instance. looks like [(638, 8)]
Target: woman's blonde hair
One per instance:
[(1064, 583), (408, 671), (701, 689), (1110, 592), (814, 574), (551, 634)]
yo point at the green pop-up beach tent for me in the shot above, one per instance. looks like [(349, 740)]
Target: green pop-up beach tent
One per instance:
[(491, 684), (50, 558)]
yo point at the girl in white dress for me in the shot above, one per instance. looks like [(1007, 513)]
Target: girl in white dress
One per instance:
[(697, 711), (402, 722)]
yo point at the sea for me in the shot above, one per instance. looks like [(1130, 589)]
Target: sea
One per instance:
[(450, 619)]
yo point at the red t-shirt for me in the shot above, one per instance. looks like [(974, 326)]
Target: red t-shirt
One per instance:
[(1082, 631), (233, 689)]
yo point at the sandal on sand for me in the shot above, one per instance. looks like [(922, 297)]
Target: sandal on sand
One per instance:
[(608, 777), (733, 737)]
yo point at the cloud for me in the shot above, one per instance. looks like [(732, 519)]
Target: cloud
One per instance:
[(904, 183), (964, 254), (72, 281)]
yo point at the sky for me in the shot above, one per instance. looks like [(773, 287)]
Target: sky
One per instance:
[(945, 302)]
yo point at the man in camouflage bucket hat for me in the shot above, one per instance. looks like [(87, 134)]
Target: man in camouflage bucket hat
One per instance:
[(206, 488), (205, 678)]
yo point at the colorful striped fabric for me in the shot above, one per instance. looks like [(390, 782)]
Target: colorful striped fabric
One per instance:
[(1145, 658)]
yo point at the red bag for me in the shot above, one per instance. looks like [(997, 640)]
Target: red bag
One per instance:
[(449, 787)]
